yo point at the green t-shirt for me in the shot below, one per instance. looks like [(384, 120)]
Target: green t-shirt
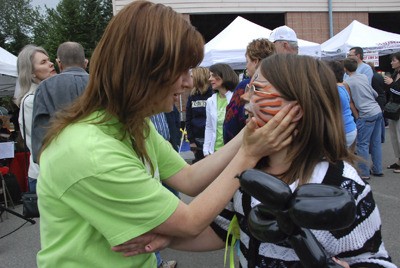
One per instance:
[(95, 193), (221, 110)]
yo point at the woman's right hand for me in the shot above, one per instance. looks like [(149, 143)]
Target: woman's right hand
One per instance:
[(273, 136)]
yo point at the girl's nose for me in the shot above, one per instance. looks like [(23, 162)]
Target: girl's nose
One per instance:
[(245, 97)]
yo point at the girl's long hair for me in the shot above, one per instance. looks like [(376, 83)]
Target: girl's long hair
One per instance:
[(144, 50)]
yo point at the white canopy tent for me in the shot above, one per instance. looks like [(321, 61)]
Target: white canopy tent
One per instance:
[(360, 35), (229, 46), (8, 72)]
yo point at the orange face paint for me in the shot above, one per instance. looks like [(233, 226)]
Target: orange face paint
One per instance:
[(263, 105)]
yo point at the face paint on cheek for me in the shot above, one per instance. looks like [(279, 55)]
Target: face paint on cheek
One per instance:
[(251, 108), (265, 107)]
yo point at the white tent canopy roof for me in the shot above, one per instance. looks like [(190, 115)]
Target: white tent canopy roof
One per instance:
[(8, 72), (8, 63), (229, 46), (360, 35)]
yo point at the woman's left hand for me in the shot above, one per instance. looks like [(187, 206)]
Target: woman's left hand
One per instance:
[(273, 136), (146, 243)]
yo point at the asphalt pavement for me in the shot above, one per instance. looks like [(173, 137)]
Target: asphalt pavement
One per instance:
[(18, 250)]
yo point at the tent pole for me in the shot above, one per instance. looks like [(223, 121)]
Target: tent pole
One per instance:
[(330, 18)]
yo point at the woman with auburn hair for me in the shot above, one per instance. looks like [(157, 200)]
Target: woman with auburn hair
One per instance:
[(318, 154), (235, 119), (102, 161), (196, 110)]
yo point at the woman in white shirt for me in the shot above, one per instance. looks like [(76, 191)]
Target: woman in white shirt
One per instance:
[(223, 80), (34, 66)]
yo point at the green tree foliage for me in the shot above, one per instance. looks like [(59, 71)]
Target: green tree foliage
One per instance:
[(82, 21), (18, 19)]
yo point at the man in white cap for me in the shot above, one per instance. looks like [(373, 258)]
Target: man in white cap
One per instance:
[(285, 40)]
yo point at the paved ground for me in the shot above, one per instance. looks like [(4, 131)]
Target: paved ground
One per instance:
[(19, 249)]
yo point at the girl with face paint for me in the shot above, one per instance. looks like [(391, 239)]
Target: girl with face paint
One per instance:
[(318, 154)]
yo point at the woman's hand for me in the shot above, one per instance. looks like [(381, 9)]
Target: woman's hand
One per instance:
[(341, 263), (146, 243), (388, 80), (193, 147), (273, 136)]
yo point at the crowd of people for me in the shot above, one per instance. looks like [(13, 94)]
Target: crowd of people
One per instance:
[(105, 145)]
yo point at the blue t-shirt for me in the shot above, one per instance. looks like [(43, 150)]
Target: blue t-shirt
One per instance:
[(348, 119)]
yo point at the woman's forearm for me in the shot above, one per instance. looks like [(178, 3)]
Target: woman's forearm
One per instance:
[(208, 240), (202, 173), (190, 220)]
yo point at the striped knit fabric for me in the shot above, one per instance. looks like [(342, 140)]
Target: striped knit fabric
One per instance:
[(360, 244)]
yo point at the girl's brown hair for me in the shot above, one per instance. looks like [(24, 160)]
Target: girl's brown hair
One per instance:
[(144, 50)]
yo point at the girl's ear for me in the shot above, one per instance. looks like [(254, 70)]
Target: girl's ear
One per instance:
[(298, 116)]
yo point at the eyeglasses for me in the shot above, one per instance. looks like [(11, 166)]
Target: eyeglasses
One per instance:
[(251, 89), (350, 55)]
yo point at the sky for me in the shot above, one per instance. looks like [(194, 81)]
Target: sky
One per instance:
[(42, 3)]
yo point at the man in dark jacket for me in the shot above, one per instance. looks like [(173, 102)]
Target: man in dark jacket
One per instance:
[(378, 84)]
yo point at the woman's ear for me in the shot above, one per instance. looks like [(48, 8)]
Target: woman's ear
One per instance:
[(299, 115)]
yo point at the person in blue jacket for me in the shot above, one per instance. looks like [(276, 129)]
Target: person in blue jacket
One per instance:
[(196, 110)]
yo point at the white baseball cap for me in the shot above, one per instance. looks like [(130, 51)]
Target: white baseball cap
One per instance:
[(283, 33)]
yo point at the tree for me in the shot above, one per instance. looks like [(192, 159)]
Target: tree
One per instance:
[(17, 21), (82, 21), (97, 21)]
